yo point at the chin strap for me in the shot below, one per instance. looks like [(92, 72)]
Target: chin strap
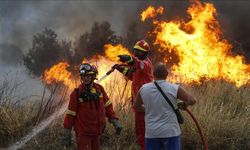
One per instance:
[(142, 57)]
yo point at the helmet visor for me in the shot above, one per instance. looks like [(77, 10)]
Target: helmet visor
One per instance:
[(84, 68)]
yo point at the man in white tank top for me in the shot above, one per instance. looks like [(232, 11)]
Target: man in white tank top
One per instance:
[(162, 130)]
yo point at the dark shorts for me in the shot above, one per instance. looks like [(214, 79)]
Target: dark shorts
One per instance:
[(172, 143)]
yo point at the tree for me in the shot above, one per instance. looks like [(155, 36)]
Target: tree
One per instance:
[(45, 52), (91, 44)]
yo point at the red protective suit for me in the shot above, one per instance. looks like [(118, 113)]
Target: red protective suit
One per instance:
[(142, 72), (88, 117)]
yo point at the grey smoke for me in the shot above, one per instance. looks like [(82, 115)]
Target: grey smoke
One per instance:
[(15, 76), (20, 20), (10, 54)]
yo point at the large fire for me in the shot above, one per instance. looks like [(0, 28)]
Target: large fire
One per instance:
[(151, 12), (201, 50), (111, 52), (202, 53)]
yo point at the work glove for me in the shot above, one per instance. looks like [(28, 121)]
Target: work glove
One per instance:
[(66, 138), (182, 105), (125, 59), (117, 125), (118, 67)]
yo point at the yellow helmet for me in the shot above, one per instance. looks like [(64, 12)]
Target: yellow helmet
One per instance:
[(142, 45)]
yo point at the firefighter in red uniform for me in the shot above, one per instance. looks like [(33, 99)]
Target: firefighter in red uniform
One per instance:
[(88, 106), (140, 71)]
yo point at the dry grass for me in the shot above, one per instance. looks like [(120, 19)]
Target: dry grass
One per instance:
[(16, 117), (222, 110)]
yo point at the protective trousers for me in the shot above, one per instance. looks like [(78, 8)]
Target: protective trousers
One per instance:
[(86, 142), (140, 129)]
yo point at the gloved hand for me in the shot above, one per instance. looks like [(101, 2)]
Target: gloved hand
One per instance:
[(66, 138), (117, 125), (118, 67), (125, 58), (182, 105)]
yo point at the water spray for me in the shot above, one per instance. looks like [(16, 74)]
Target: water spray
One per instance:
[(37, 129), (45, 123), (107, 73)]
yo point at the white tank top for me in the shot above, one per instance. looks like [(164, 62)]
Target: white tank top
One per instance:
[(160, 119)]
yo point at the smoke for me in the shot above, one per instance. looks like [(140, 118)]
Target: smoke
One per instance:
[(10, 54), (16, 77), (20, 20), (235, 20)]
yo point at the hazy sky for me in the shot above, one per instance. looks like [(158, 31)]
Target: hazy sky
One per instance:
[(20, 20)]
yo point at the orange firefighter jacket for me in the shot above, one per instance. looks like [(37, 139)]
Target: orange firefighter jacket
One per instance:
[(88, 117), (141, 72)]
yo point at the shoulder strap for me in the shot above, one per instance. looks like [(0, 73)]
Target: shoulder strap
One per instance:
[(163, 94)]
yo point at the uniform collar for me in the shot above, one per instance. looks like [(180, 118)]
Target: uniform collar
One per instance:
[(160, 80)]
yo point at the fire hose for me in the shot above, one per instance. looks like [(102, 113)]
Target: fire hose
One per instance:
[(187, 110), (106, 74), (199, 129), (41, 126), (109, 72)]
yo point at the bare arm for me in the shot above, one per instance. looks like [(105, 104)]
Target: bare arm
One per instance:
[(186, 97), (138, 103)]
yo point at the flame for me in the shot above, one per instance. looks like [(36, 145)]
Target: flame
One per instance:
[(104, 65), (113, 84), (151, 12), (111, 52), (85, 61), (201, 50), (58, 73)]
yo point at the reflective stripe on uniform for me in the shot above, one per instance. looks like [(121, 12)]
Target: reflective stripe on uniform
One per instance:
[(108, 103), (80, 100), (91, 72), (101, 95), (141, 65), (93, 90), (70, 112), (131, 60), (125, 70)]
